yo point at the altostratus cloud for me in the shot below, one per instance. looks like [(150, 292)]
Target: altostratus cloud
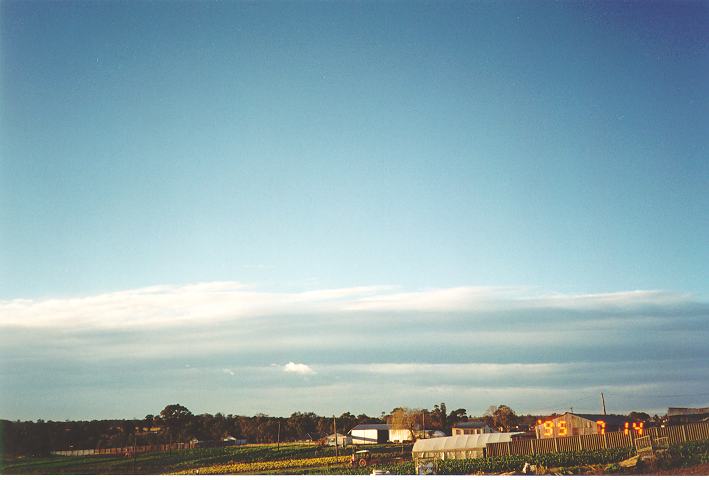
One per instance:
[(162, 306)]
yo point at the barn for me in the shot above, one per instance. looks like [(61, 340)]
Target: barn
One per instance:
[(369, 433), (373, 433), (457, 446)]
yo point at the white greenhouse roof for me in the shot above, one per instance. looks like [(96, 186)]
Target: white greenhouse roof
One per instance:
[(461, 442)]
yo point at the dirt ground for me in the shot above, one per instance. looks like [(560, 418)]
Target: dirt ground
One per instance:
[(701, 469)]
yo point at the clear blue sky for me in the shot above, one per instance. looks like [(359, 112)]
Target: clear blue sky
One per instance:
[(292, 146)]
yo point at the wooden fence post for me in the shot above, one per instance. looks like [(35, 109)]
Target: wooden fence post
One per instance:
[(580, 444), (684, 432), (556, 446)]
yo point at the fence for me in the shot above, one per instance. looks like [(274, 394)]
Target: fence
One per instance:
[(675, 434), (121, 451)]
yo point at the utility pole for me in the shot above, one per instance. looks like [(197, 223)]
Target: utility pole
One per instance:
[(423, 418), (278, 438), (603, 401), (334, 427), (135, 452)]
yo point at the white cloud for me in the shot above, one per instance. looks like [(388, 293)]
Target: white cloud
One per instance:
[(466, 344), (298, 368), (162, 306), (170, 305)]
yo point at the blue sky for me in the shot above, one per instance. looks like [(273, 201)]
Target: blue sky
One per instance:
[(419, 151)]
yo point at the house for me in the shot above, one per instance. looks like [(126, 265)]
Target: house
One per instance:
[(471, 428), (570, 424)]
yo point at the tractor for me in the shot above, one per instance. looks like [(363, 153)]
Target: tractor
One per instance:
[(361, 458)]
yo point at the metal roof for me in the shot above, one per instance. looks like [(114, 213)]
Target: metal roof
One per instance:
[(470, 425), (673, 411), (371, 426), (462, 442)]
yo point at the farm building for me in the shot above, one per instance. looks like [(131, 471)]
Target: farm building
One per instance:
[(458, 446), (471, 428), (570, 424), (342, 440), (678, 416), (370, 433), (400, 435), (230, 440)]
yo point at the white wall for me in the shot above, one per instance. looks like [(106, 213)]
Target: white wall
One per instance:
[(400, 435), (363, 437)]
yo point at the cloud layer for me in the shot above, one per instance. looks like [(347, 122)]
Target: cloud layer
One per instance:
[(471, 345)]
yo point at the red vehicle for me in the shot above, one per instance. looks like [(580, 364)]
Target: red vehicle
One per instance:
[(361, 458)]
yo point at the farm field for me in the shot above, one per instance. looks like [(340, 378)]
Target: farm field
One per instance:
[(290, 458), (302, 459)]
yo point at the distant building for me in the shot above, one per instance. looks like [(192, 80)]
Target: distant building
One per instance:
[(471, 428), (373, 433), (678, 416), (342, 440), (230, 441), (400, 435), (148, 429), (370, 433), (570, 424), (457, 446)]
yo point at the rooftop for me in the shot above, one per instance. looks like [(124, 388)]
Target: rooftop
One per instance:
[(372, 426), (470, 425), (462, 442)]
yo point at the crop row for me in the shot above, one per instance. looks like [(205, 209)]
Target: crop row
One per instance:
[(685, 455), (264, 466), (561, 459)]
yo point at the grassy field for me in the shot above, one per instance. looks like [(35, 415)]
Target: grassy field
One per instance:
[(287, 458)]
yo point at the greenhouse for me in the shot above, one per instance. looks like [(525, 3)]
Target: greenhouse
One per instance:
[(457, 446)]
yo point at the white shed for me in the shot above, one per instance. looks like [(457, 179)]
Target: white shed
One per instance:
[(370, 433), (458, 446)]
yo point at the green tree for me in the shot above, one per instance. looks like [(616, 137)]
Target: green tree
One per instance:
[(503, 417), (457, 415), (301, 424), (440, 417), (175, 417), (639, 416)]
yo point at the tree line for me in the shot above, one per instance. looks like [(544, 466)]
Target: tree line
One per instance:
[(176, 424)]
